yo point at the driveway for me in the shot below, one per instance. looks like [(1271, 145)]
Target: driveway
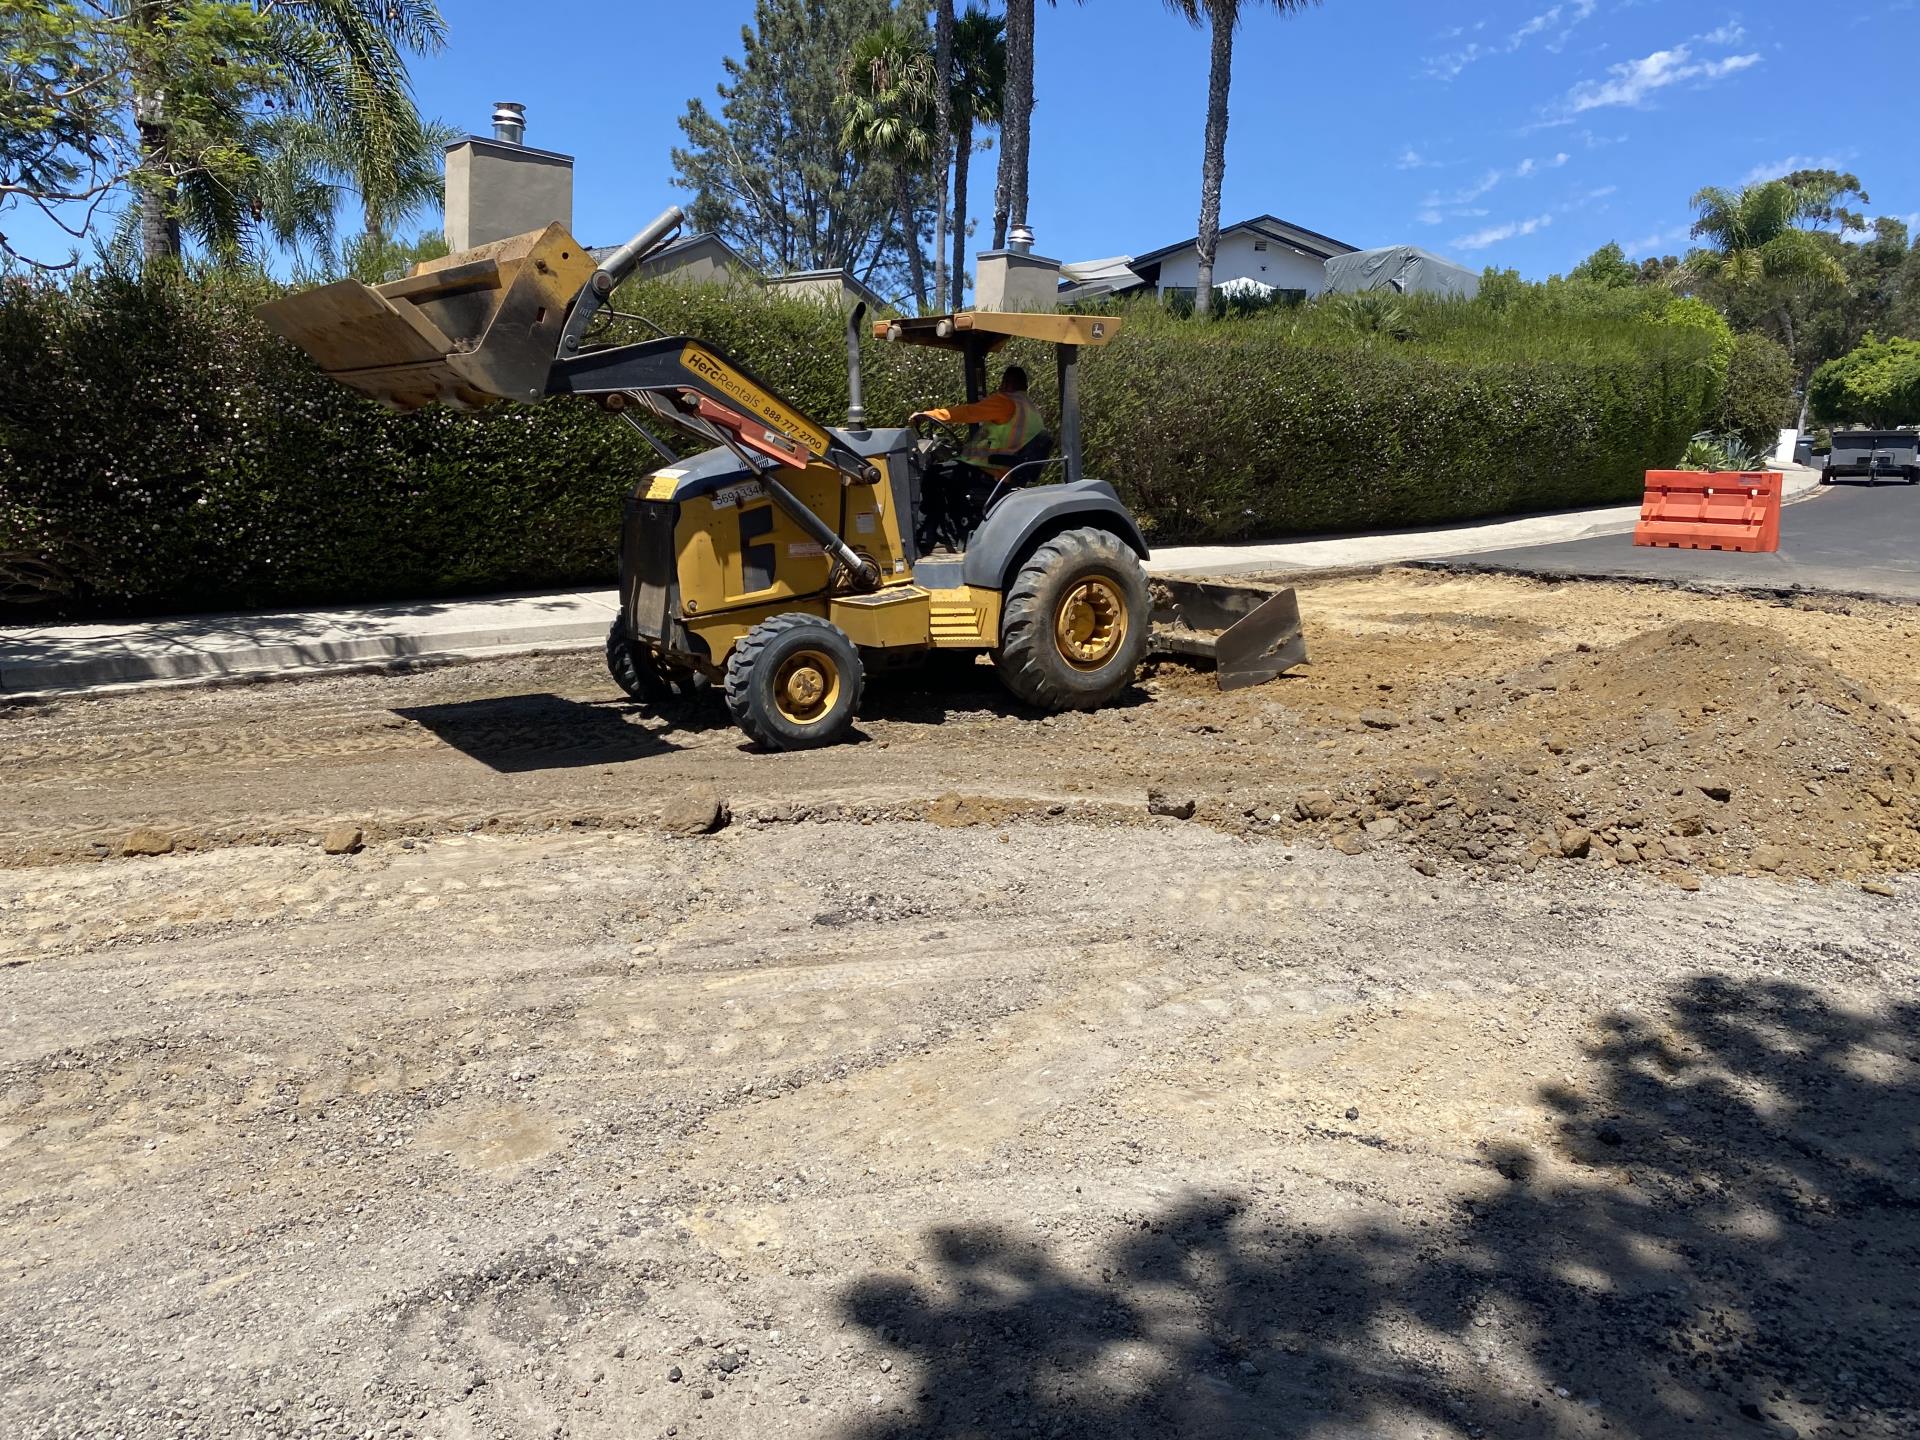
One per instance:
[(1854, 539)]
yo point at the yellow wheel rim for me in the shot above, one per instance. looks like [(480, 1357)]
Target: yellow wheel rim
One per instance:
[(807, 686), (1091, 622)]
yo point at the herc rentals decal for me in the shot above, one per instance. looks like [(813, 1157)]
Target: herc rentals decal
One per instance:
[(736, 387)]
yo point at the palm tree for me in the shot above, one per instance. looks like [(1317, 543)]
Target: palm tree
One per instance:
[(305, 167), (338, 62), (942, 133), (1010, 187), (979, 94), (1755, 241), (1222, 17), (889, 80)]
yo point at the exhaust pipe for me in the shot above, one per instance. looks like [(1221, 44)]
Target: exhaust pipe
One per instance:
[(856, 409)]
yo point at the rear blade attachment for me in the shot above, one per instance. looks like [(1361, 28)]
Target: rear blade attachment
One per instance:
[(1251, 632), (467, 330)]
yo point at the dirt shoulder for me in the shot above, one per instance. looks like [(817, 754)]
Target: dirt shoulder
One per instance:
[(1475, 721)]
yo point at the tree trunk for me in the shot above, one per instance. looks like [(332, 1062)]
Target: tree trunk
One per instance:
[(159, 225), (1013, 120), (942, 135), (962, 159), (916, 262), (1023, 107), (1213, 163)]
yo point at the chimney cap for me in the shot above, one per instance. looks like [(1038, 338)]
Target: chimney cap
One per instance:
[(509, 121), (1020, 239)]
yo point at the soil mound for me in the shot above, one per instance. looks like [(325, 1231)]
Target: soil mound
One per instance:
[(1702, 745)]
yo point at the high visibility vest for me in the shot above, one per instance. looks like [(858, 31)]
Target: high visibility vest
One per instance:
[(1018, 432)]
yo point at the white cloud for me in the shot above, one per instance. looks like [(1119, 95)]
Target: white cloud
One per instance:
[(1429, 217), (1494, 234), (1445, 67), (1774, 170), (1411, 159), (1588, 197), (1452, 206), (1632, 82), (1557, 23), (1659, 239), (1731, 33)]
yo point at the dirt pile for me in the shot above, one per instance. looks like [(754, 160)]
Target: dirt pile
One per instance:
[(1704, 745)]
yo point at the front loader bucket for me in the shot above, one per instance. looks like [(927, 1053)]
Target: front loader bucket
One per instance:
[(1251, 632), (466, 330)]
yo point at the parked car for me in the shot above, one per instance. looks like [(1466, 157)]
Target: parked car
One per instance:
[(1874, 455)]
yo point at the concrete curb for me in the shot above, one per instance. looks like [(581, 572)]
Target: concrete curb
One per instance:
[(211, 650)]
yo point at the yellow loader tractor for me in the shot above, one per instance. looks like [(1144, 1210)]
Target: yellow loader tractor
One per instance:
[(788, 558)]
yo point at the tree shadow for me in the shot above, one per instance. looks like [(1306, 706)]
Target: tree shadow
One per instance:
[(1724, 1238)]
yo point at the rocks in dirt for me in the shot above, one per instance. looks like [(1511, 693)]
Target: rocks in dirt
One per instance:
[(343, 839), (1350, 842), (1177, 807), (673, 1374), (1714, 787), (697, 810), (147, 841), (1878, 887), (1769, 857), (1377, 719), (1385, 828), (1575, 843), (1427, 867), (1314, 805)]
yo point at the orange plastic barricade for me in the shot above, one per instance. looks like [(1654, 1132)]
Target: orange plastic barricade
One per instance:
[(1711, 510)]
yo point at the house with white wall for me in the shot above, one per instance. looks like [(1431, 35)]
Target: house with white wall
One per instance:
[(1265, 250)]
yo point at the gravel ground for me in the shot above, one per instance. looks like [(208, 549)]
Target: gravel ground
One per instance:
[(948, 1091)]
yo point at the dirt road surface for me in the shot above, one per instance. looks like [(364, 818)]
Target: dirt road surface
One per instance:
[(1519, 1039)]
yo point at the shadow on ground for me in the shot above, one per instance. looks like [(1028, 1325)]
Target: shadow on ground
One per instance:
[(515, 733), (1724, 1239)]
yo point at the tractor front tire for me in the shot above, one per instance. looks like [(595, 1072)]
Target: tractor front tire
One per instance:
[(1074, 626), (794, 682)]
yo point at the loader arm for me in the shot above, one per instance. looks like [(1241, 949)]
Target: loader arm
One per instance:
[(681, 368)]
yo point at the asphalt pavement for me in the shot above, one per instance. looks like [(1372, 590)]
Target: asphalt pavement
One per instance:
[(1851, 539)]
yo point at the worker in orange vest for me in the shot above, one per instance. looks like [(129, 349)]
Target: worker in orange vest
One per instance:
[(955, 493), (1004, 424)]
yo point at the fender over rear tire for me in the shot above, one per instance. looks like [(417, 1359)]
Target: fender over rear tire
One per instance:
[(1074, 626), (794, 682)]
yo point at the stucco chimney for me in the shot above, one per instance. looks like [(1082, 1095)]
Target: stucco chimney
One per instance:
[(499, 186)]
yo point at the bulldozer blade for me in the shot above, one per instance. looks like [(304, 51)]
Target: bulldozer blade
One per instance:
[(1250, 632), (467, 330)]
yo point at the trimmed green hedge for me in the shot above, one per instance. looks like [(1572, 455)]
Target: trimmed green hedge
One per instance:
[(159, 449)]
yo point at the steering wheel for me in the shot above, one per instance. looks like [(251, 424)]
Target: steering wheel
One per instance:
[(940, 434)]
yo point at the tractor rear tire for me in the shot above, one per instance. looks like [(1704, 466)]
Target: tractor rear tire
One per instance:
[(1075, 624), (637, 672), (794, 682)]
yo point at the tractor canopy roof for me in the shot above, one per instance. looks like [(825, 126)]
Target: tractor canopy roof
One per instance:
[(968, 329)]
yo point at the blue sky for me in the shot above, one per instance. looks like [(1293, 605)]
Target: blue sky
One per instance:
[(1508, 132)]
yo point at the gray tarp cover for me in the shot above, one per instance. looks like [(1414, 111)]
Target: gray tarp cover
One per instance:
[(1417, 272)]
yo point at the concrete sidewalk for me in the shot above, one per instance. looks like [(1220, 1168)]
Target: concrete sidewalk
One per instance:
[(200, 648), (64, 659), (1390, 547)]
